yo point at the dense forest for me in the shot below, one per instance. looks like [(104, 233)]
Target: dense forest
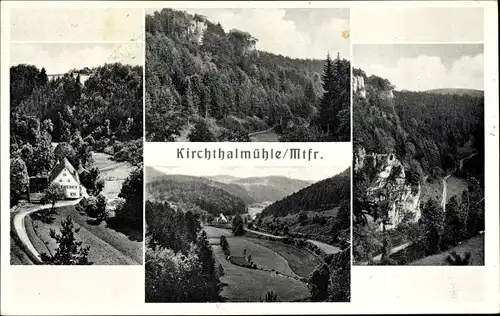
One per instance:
[(209, 198), (321, 195), (104, 114), (206, 84), (433, 134), (429, 132), (179, 263)]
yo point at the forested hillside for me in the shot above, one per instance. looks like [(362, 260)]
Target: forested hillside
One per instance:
[(233, 189), (428, 131), (211, 199), (207, 84), (321, 195), (104, 114), (407, 144), (179, 263)]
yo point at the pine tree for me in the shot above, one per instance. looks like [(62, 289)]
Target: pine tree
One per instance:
[(327, 115), (43, 78), (69, 251)]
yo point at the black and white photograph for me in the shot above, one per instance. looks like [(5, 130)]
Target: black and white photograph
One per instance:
[(248, 234), (76, 139), (419, 152), (248, 75)]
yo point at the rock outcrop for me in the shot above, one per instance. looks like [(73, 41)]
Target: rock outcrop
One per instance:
[(196, 30), (389, 188), (358, 86)]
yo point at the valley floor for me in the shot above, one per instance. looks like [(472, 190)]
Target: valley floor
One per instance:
[(280, 268)]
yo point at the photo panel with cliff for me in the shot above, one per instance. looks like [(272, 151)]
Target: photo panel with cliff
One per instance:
[(247, 75), (76, 139), (248, 234), (418, 146)]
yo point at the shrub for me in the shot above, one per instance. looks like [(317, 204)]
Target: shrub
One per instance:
[(202, 133), (270, 297)]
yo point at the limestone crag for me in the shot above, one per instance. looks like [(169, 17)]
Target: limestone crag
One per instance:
[(358, 86), (389, 187), (196, 30)]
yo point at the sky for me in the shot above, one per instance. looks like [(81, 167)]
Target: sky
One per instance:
[(296, 33), (420, 67), (60, 58), (76, 24), (418, 24), (312, 174)]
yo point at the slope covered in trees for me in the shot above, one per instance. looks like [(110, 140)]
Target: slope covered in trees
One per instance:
[(324, 194), (429, 132), (232, 189), (434, 135), (211, 199), (104, 114), (179, 263), (206, 84)]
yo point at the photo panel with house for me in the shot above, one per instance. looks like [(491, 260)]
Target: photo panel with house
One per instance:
[(248, 234), (76, 153)]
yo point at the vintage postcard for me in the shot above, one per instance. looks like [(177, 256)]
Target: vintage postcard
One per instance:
[(249, 157)]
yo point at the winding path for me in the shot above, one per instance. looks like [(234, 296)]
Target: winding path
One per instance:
[(326, 248), (20, 229)]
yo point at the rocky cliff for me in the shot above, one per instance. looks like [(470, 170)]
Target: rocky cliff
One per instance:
[(358, 86), (196, 30), (389, 187)]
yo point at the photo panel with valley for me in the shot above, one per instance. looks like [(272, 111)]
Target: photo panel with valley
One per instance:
[(419, 155), (76, 139), (247, 75), (248, 234)]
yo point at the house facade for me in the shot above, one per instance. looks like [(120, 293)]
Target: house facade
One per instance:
[(67, 176)]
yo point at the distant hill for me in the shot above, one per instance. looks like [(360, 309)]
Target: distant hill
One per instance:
[(223, 178), (233, 189), (324, 194), (471, 92), (181, 189), (271, 188), (152, 174), (250, 190)]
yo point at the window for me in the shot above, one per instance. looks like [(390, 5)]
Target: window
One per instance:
[(60, 180), (72, 194), (68, 181), (64, 174)]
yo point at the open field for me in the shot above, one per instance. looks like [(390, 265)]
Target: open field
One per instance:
[(268, 136), (474, 245), (113, 173), (263, 257), (107, 247), (302, 262), (248, 285)]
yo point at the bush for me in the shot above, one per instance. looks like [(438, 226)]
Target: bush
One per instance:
[(202, 133), (237, 225), (224, 245), (270, 297)]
